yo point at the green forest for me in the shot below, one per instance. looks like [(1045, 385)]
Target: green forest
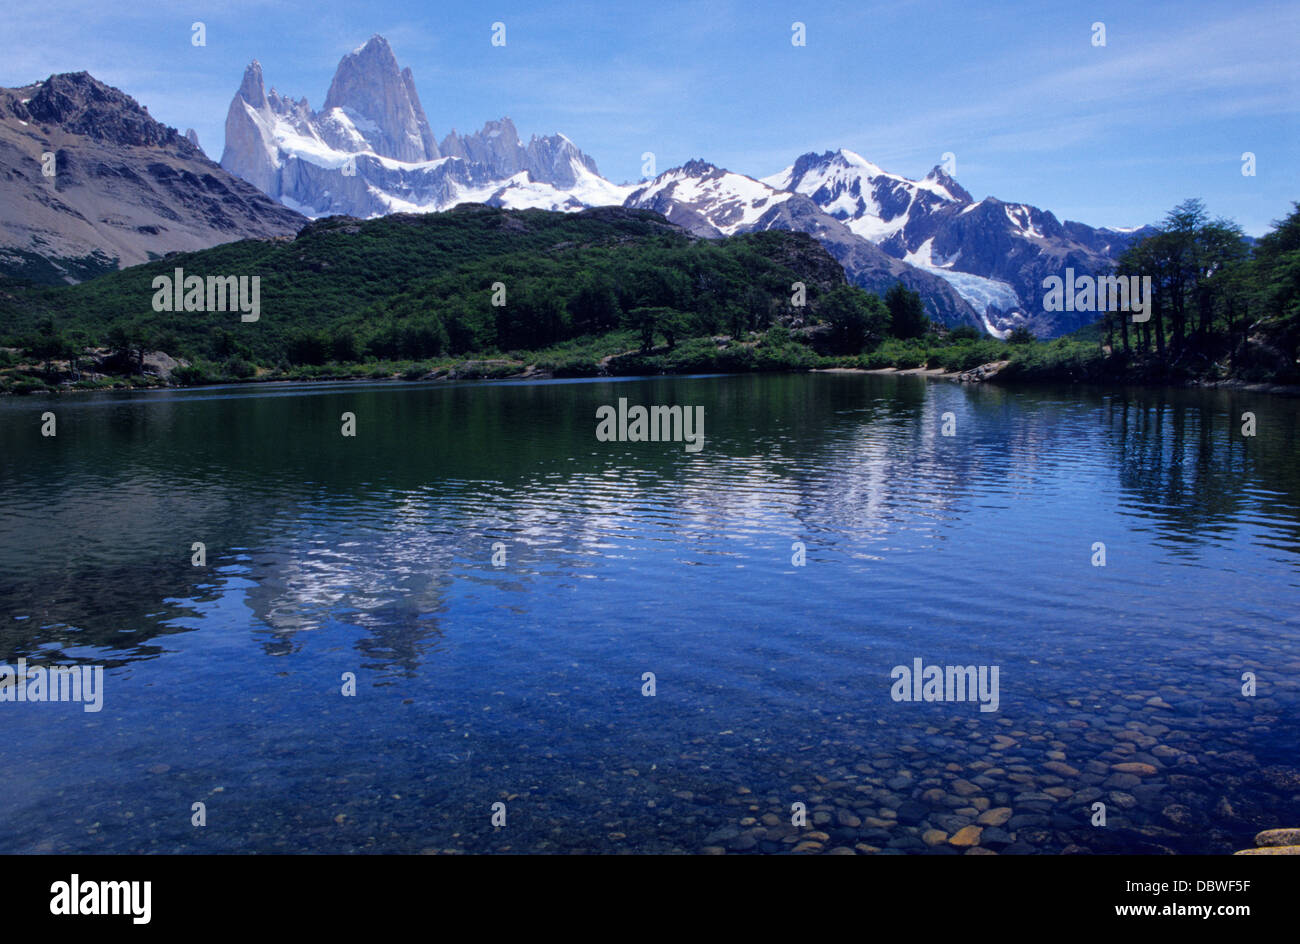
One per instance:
[(484, 292), (1219, 306)]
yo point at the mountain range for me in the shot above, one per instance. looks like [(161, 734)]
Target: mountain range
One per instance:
[(129, 189), (370, 151)]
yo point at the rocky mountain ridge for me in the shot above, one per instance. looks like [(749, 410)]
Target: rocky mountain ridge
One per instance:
[(93, 183)]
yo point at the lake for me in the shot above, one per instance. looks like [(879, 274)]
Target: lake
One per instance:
[(636, 647)]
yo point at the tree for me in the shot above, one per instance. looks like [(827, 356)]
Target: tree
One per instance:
[(534, 316), (224, 345), (648, 320), (1219, 251), (758, 309), (77, 342), (673, 324), (313, 347), (131, 339), (1275, 271), (1194, 264), (1144, 258), (777, 336), (595, 309), (1021, 335), (673, 287), (344, 347), (1176, 242), (907, 318), (48, 344), (858, 320)]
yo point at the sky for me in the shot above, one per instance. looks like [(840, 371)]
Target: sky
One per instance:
[(1032, 110)]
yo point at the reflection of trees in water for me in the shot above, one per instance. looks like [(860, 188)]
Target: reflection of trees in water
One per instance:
[(1184, 465), (117, 613), (444, 474)]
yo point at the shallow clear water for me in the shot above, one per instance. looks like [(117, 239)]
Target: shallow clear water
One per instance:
[(522, 683)]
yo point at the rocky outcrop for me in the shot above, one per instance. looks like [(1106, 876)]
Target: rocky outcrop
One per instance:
[(92, 182), (983, 372), (496, 148), (373, 103), (75, 103)]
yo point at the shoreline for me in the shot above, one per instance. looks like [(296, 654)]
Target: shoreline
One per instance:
[(984, 373), (964, 376)]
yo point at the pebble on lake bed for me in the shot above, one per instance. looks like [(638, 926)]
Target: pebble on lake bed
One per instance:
[(1135, 767), (966, 836), (1275, 842), (995, 817)]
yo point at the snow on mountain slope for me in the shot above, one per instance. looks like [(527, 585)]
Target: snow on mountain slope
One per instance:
[(995, 254), (983, 294), (726, 202), (872, 202), (370, 151), (519, 192), (879, 206), (712, 202)]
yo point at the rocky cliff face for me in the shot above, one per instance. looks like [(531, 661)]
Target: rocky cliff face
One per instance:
[(370, 150), (372, 105), (92, 182)]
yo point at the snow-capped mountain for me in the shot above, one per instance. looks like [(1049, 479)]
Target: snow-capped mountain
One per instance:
[(994, 254), (370, 150), (873, 203), (708, 200), (712, 202)]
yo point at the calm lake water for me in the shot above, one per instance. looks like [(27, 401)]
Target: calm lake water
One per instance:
[(520, 681)]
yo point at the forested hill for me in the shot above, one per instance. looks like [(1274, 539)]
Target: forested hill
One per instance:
[(411, 286), (482, 291)]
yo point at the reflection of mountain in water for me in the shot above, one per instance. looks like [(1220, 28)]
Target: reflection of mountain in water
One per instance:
[(387, 584), (308, 529)]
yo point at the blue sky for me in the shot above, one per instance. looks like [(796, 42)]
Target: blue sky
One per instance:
[(1033, 112)]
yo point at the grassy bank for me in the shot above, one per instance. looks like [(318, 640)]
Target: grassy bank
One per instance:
[(617, 353)]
